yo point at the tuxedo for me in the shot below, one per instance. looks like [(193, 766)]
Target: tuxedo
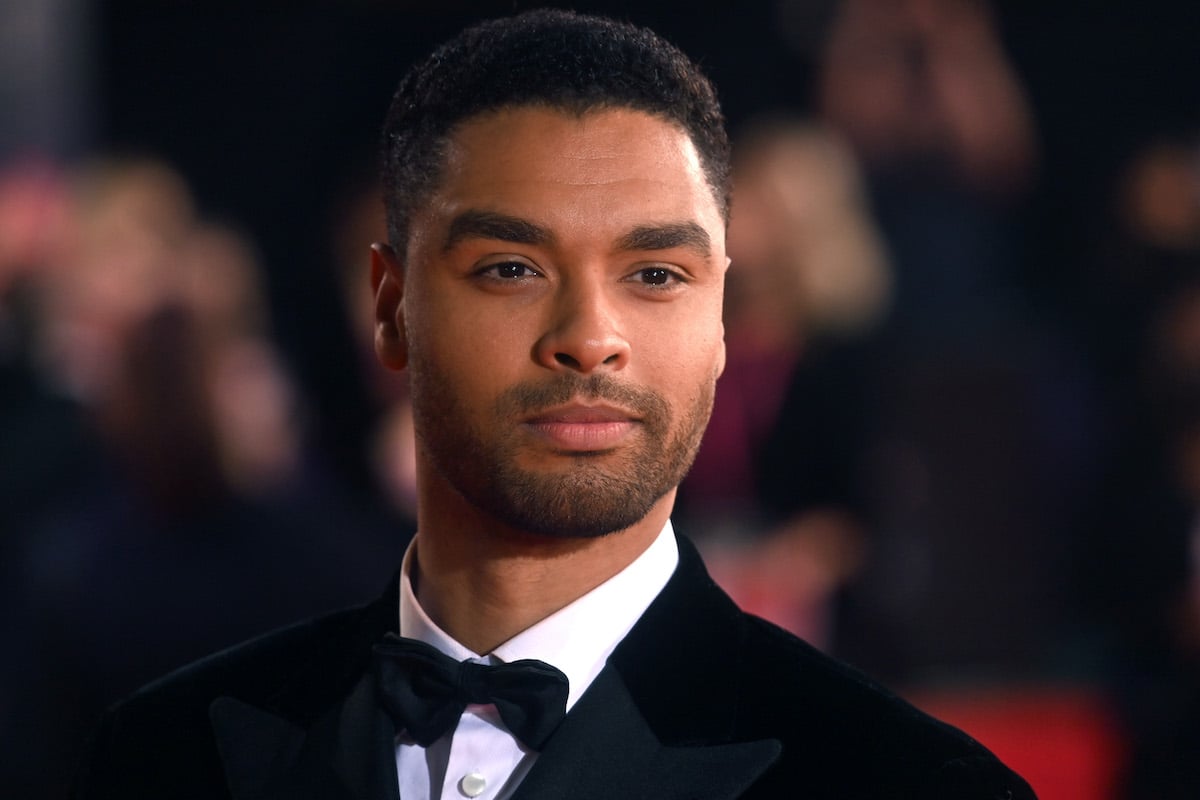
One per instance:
[(700, 700)]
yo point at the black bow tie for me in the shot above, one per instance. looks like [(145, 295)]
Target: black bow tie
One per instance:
[(425, 691)]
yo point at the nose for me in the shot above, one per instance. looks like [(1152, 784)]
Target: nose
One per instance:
[(584, 334)]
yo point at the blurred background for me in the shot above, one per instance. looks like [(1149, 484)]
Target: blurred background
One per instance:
[(957, 443)]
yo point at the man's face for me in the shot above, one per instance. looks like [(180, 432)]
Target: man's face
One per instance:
[(561, 317)]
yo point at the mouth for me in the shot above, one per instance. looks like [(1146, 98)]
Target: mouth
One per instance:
[(580, 428)]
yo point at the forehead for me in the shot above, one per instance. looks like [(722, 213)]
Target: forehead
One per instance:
[(601, 167)]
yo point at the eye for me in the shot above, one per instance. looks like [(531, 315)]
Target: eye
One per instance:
[(657, 277), (507, 271), (511, 269)]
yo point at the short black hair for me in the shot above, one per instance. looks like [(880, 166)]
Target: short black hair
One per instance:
[(549, 58)]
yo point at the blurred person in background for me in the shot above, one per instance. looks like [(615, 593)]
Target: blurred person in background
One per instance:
[(976, 451), (41, 436), (1140, 578), (925, 94), (1143, 574), (776, 495), (1137, 575), (155, 323), (927, 83), (1147, 248), (47, 449)]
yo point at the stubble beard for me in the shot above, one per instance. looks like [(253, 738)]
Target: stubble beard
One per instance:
[(592, 495)]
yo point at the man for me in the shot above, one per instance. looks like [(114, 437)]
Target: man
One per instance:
[(556, 189)]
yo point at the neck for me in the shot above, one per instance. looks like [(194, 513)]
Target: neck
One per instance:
[(483, 582)]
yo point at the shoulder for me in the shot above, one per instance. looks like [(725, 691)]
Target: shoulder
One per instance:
[(704, 671), (864, 736), (163, 731), (286, 670)]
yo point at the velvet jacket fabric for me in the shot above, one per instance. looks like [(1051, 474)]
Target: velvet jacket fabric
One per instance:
[(699, 701)]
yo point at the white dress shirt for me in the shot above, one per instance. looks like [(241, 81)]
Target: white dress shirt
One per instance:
[(480, 758)]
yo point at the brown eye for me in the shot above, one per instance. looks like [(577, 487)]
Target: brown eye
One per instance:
[(656, 276), (511, 269), (507, 272)]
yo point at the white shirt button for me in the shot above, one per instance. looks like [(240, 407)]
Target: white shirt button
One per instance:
[(472, 784)]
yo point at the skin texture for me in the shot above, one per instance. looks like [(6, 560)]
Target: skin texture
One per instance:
[(558, 307)]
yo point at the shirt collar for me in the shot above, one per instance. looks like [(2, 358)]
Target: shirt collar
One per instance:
[(576, 639)]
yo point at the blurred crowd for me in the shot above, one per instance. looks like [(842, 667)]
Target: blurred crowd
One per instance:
[(911, 462), (158, 497)]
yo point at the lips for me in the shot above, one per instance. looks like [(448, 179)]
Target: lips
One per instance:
[(581, 428)]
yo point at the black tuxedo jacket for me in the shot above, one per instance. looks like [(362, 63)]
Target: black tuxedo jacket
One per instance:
[(699, 701)]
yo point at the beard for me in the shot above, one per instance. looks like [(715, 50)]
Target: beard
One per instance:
[(592, 495)]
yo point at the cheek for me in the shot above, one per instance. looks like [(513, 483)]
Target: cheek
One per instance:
[(710, 351), (684, 355), (464, 352)]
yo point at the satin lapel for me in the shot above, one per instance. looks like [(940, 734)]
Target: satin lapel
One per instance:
[(605, 749), (682, 662), (348, 754)]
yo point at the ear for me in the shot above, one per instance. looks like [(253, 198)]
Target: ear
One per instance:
[(721, 353), (387, 284)]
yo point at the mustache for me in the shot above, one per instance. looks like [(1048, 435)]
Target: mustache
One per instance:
[(531, 397)]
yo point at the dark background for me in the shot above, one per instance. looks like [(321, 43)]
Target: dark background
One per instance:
[(272, 110)]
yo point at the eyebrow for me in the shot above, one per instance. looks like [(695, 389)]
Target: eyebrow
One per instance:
[(667, 237), (474, 224)]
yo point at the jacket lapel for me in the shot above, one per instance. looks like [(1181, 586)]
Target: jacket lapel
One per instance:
[(605, 749), (682, 661), (661, 718), (347, 754)]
